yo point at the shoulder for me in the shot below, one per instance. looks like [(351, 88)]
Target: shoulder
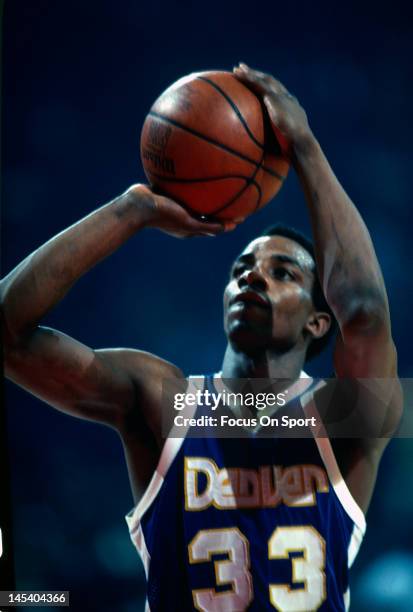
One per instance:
[(365, 408), (150, 376)]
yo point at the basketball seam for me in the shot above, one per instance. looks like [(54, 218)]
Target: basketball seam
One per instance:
[(259, 186), (218, 144), (183, 180), (235, 109), (206, 138), (199, 180), (273, 173), (249, 181)]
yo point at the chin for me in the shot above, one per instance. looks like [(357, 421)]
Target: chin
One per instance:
[(247, 338)]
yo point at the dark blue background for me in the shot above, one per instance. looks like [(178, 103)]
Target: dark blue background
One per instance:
[(78, 80)]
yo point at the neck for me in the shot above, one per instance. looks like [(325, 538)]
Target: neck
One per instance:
[(267, 364)]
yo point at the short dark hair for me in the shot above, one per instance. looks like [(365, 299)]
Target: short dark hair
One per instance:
[(319, 300)]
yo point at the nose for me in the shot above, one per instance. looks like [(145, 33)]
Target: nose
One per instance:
[(252, 278)]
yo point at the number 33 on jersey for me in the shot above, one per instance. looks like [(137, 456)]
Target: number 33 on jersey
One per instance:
[(256, 524)]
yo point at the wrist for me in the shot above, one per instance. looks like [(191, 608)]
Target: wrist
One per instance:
[(138, 204), (304, 148)]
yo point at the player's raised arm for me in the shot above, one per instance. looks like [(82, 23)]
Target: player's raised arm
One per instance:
[(347, 264), (99, 385)]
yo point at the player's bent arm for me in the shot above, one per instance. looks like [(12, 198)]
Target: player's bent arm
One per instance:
[(45, 276), (111, 386), (348, 268), (353, 285), (53, 366), (346, 260), (354, 288)]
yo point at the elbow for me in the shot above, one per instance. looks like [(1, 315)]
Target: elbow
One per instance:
[(7, 337), (14, 331), (12, 341), (365, 311), (9, 347)]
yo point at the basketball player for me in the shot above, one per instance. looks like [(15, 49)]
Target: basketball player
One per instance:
[(229, 524)]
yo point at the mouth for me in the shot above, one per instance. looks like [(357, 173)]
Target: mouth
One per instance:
[(250, 298)]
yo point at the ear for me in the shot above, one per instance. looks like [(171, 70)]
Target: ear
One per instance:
[(318, 324)]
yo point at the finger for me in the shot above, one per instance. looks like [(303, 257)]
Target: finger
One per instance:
[(260, 84), (226, 225), (201, 226), (266, 78), (257, 73), (257, 84), (188, 219), (260, 78), (229, 226), (209, 228), (271, 109)]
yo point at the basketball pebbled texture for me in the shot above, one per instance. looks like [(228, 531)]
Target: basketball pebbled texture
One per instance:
[(207, 144)]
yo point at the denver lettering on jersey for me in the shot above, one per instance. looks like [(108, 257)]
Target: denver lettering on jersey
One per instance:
[(267, 487)]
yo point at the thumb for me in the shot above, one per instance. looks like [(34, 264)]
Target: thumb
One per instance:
[(282, 139), (271, 109)]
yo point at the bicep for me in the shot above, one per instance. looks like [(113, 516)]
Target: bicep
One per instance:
[(70, 376)]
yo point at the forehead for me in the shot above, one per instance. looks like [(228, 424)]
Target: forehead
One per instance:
[(266, 247)]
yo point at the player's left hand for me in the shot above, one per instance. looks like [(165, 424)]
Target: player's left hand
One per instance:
[(288, 118)]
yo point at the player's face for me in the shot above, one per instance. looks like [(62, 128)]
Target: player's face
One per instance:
[(268, 302)]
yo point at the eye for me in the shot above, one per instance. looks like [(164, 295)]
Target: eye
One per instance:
[(281, 273)]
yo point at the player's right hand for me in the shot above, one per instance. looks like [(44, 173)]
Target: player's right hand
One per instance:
[(165, 214)]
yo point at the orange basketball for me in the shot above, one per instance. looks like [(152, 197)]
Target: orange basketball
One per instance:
[(207, 144)]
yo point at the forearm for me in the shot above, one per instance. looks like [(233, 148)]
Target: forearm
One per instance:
[(346, 260), (45, 276)]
